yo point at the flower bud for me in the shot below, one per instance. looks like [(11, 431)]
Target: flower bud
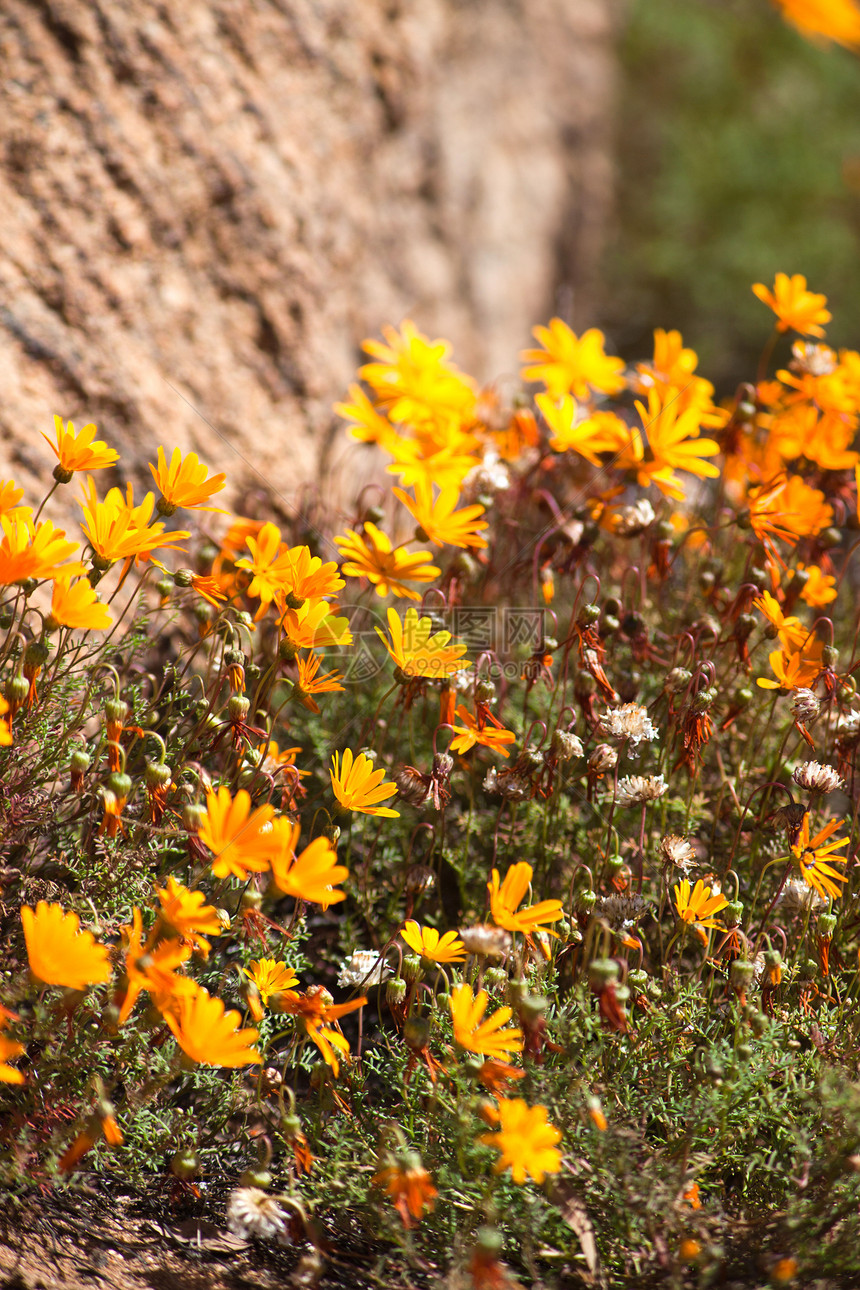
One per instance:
[(827, 925), (585, 901), (192, 816), (411, 967), (119, 784), (157, 774), (677, 680), (238, 707), (517, 991), (185, 1164), (416, 1033), (395, 991), (183, 577), (601, 973), (741, 973), (733, 913), (116, 711), (705, 699)]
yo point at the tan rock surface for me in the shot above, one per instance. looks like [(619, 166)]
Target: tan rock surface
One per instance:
[(206, 206)]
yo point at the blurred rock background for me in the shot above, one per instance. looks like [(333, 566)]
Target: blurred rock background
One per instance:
[(207, 206)]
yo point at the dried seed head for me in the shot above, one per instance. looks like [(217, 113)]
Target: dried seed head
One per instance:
[(817, 360), (815, 777), (630, 721), (602, 759), (848, 727), (566, 745), (413, 786), (678, 851), (253, 1213), (805, 706), (486, 940), (797, 898), (622, 911), (509, 785), (364, 968), (419, 880), (629, 521), (634, 790)]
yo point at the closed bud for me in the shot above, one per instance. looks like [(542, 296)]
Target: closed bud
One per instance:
[(733, 913), (119, 784), (829, 538), (588, 615), (238, 707), (677, 680), (395, 991), (488, 1242), (185, 1164), (638, 978), (829, 656), (251, 899), (584, 685), (79, 762), (164, 587), (705, 699), (36, 654), (585, 901), (532, 1007), (741, 973), (258, 1177), (116, 711), (745, 625), (416, 1033), (17, 689), (464, 566), (517, 990), (411, 967), (183, 577), (601, 973), (192, 816), (827, 925), (157, 774), (495, 978), (291, 1128)]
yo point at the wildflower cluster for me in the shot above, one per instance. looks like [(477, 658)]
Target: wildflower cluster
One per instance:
[(500, 912)]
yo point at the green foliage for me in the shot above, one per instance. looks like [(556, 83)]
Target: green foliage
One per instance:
[(737, 157)]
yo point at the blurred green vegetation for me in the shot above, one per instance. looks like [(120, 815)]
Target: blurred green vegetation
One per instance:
[(738, 153)]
